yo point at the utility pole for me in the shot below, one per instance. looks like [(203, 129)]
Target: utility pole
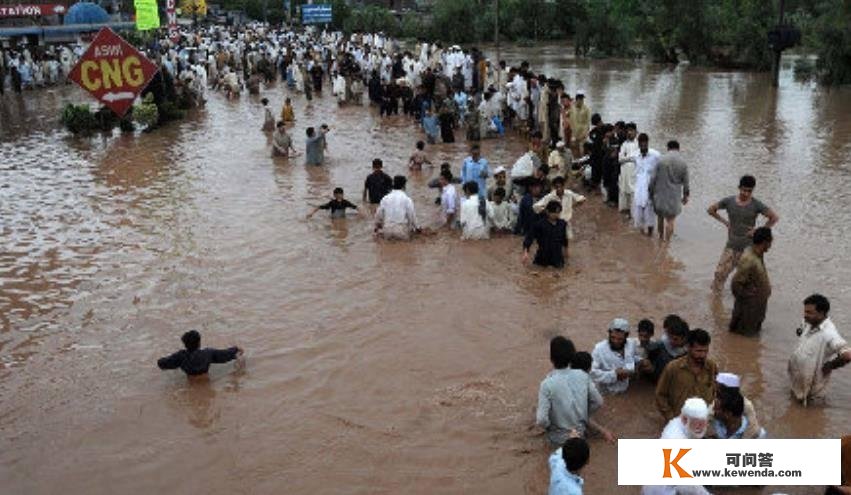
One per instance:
[(775, 70), (496, 32)]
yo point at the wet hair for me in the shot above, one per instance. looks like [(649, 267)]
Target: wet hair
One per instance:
[(475, 147), (595, 119), (699, 336), (819, 301), (553, 206), (631, 125), (471, 187), (747, 181), (446, 174), (558, 180), (731, 400), (191, 340), (420, 145), (561, 352), (444, 166), (399, 182), (646, 326), (575, 453), (338, 190), (582, 361), (377, 163), (310, 131), (673, 145), (762, 235), (643, 138), (265, 101), (499, 192)]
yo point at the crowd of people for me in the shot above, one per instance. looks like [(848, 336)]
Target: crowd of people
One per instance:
[(570, 149)]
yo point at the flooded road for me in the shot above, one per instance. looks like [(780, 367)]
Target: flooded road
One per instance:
[(374, 367)]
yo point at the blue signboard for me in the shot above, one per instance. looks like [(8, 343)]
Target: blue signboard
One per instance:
[(315, 14)]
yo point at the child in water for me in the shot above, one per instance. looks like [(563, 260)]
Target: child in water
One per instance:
[(268, 119), (419, 158), (287, 112), (195, 361), (337, 205)]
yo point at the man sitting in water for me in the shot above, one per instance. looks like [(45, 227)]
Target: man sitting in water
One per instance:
[(196, 361)]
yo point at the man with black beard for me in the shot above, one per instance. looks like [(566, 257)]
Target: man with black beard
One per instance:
[(614, 359)]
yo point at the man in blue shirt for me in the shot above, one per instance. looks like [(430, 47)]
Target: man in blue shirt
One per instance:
[(565, 464), (476, 169)]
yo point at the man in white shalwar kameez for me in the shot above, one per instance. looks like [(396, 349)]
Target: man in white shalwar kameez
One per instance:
[(643, 215), (691, 424), (820, 350), (614, 359), (626, 181), (395, 217)]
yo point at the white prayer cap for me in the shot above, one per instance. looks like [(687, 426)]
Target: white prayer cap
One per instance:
[(499, 170), (619, 324), (580, 92), (728, 380), (695, 408), (560, 144)]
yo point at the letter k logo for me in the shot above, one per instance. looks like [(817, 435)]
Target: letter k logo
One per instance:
[(668, 463)]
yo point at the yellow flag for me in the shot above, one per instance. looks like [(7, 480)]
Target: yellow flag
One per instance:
[(147, 15), (194, 6)]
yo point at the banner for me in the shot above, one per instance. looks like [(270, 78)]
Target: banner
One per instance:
[(189, 7), (30, 10), (147, 14), (729, 462), (315, 14)]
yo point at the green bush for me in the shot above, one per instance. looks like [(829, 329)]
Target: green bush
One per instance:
[(79, 119), (146, 113)]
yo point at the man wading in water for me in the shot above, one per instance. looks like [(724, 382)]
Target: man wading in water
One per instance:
[(195, 361), (742, 211)]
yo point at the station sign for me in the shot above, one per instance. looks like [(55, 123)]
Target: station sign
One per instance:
[(30, 10), (113, 71)]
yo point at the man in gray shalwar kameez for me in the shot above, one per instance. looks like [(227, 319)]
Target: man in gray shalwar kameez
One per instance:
[(669, 189)]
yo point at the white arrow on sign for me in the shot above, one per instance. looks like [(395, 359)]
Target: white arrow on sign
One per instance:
[(113, 97)]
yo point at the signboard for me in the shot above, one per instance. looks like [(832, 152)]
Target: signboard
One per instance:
[(315, 14), (113, 71), (30, 10), (147, 14), (172, 19), (196, 7)]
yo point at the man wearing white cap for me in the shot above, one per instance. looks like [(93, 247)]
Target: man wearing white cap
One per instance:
[(614, 359), (691, 424), (729, 384), (500, 179)]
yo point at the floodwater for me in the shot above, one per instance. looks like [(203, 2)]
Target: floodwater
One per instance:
[(374, 367)]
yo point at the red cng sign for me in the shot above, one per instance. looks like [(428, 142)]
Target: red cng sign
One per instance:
[(113, 71)]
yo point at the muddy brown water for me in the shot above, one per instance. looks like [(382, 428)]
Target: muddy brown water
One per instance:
[(374, 367)]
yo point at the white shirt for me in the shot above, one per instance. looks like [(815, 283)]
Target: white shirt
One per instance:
[(645, 170), (472, 223), (449, 200), (567, 199), (606, 361), (500, 216), (816, 345), (396, 209)]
